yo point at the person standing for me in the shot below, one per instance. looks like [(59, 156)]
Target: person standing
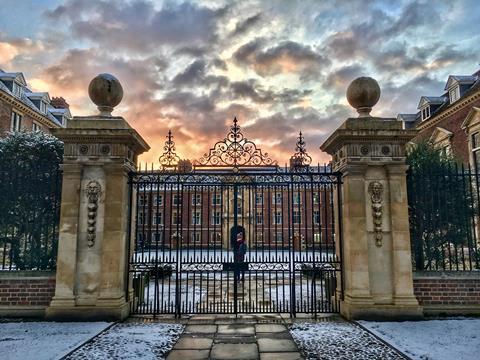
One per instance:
[(240, 251)]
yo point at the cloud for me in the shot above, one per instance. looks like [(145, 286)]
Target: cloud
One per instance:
[(194, 73), (12, 48), (285, 57), (192, 51), (70, 77), (280, 67), (197, 74), (383, 38), (449, 55), (246, 25), (138, 25), (342, 77), (403, 98), (278, 132)]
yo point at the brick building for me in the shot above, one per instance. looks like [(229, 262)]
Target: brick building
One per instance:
[(272, 214), (442, 120), (21, 108)]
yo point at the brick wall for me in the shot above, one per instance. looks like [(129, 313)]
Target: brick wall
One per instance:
[(5, 116), (448, 292), (453, 123), (25, 293)]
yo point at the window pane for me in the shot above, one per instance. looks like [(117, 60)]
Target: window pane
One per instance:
[(476, 159), (475, 140)]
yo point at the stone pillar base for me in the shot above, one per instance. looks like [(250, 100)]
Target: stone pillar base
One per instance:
[(380, 312), (105, 312)]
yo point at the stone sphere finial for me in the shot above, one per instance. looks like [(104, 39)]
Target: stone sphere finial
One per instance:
[(106, 92), (362, 94)]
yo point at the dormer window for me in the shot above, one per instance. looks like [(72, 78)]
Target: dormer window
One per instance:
[(17, 89), (454, 94), (43, 107), (426, 113)]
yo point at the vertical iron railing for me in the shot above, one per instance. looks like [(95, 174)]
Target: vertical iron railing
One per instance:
[(288, 219), (29, 220), (444, 218)]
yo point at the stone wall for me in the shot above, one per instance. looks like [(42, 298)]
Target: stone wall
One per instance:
[(26, 293), (448, 293)]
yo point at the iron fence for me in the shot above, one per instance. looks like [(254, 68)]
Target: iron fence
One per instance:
[(29, 218), (185, 227), (444, 218)]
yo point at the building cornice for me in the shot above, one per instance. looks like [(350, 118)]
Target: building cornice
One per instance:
[(434, 120), (42, 119)]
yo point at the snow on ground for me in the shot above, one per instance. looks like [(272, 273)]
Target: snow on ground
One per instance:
[(44, 340), (338, 339), (131, 340), (443, 339)]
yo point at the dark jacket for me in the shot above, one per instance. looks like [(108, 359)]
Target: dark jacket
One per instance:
[(241, 251)]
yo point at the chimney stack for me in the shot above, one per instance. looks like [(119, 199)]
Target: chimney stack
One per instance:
[(59, 103)]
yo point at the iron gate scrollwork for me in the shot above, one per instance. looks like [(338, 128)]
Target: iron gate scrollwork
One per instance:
[(183, 229)]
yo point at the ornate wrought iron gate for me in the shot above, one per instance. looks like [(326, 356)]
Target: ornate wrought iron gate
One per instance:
[(184, 231)]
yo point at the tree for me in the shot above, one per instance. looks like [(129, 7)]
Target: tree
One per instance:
[(442, 209), (29, 198)]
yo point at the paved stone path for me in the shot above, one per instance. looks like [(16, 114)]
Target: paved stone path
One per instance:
[(247, 337)]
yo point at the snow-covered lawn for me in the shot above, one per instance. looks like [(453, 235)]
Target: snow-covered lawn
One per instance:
[(332, 339), (131, 340), (44, 340), (443, 339)]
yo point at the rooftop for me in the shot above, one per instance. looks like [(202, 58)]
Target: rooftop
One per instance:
[(26, 95)]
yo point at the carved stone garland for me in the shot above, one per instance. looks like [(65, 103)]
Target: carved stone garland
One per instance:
[(94, 190), (375, 189)]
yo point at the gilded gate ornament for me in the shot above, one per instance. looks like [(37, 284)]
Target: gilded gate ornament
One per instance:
[(375, 189), (235, 150), (93, 190), (169, 159)]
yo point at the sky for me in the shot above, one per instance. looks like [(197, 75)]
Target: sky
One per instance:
[(279, 66)]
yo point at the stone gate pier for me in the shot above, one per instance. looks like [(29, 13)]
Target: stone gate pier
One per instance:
[(92, 259), (370, 152)]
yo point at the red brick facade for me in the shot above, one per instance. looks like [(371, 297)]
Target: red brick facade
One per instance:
[(27, 120), (26, 291), (5, 116), (453, 123), (456, 292), (313, 226)]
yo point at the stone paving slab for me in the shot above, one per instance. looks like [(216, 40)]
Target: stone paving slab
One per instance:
[(193, 343), (277, 345), (246, 337), (234, 351), (189, 355), (237, 329), (270, 328), (233, 339), (201, 329), (280, 335)]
